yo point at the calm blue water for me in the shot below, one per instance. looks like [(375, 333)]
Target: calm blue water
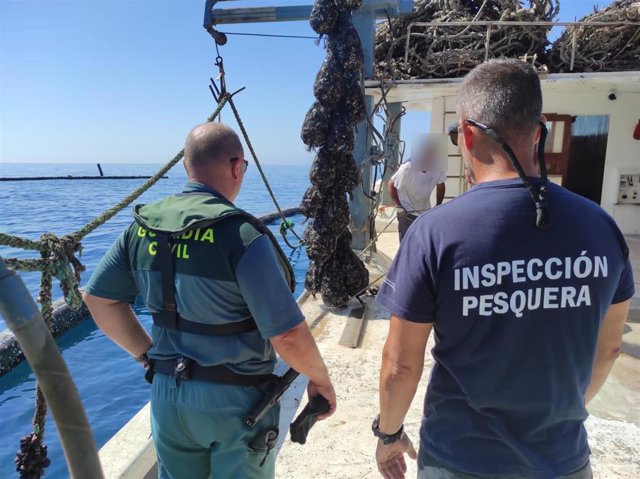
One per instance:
[(110, 383)]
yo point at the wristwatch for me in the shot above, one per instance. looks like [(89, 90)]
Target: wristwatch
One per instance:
[(386, 438), (143, 358)]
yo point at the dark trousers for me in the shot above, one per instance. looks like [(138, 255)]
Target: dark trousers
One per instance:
[(404, 221)]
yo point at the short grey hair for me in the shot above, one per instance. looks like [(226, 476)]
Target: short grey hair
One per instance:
[(503, 94)]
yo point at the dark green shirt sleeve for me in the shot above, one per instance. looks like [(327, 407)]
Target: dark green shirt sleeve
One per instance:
[(264, 288), (112, 278)]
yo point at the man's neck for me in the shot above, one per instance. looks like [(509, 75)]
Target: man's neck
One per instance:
[(212, 185), (500, 168)]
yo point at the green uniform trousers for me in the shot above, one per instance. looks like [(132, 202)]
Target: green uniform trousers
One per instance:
[(199, 432)]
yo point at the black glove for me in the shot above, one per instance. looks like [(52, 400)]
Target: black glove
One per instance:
[(308, 417)]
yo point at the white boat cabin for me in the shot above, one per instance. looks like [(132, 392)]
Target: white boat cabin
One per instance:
[(593, 122)]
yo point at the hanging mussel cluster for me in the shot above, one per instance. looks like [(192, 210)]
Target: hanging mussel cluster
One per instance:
[(32, 459), (334, 270)]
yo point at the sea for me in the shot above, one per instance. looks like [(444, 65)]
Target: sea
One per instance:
[(110, 383)]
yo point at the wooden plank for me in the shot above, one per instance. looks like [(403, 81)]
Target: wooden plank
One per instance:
[(352, 330)]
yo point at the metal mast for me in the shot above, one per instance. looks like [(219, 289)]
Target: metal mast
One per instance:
[(364, 21)]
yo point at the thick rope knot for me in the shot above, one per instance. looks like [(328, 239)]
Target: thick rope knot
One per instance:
[(60, 253)]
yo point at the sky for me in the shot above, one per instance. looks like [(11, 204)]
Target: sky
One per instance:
[(117, 81)]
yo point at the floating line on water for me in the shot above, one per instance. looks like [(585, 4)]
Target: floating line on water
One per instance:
[(42, 178)]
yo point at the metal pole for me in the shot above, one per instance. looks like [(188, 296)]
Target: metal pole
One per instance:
[(392, 148), (364, 23), (574, 43), (25, 321)]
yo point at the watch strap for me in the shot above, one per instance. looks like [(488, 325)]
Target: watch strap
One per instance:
[(386, 438)]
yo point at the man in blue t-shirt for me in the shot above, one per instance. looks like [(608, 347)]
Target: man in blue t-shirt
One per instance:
[(527, 288)]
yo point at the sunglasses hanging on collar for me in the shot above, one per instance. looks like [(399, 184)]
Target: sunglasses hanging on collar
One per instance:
[(537, 192)]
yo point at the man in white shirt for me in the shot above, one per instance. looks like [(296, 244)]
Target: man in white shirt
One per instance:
[(411, 186)]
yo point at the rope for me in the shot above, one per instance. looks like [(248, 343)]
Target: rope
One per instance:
[(110, 213), (23, 243), (17, 242), (284, 227), (373, 241), (259, 166)]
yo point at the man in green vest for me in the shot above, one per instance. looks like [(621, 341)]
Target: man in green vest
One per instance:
[(219, 289)]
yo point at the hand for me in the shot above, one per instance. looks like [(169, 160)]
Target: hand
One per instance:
[(327, 392), (390, 458), (382, 208)]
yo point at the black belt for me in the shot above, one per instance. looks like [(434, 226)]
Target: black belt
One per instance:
[(405, 214), (172, 320), (187, 369)]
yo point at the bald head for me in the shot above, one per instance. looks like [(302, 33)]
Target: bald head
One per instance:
[(210, 144)]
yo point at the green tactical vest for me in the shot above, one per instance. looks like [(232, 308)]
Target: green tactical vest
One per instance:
[(181, 213), (171, 218)]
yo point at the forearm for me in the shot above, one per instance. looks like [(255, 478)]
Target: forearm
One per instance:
[(118, 323), (393, 193), (300, 351), (608, 346), (398, 386), (601, 370)]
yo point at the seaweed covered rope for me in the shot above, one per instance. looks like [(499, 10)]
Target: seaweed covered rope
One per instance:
[(334, 269)]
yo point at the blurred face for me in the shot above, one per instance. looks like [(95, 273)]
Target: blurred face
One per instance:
[(426, 158)]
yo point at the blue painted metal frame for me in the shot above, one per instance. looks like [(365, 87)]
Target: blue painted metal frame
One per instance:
[(364, 20), (219, 16)]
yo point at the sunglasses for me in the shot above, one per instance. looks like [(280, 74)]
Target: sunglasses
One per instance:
[(537, 192), (246, 163), (454, 130)]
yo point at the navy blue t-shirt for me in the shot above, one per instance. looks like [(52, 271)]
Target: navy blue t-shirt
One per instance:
[(516, 313)]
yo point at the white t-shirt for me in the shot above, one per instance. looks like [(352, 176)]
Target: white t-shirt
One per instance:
[(415, 187)]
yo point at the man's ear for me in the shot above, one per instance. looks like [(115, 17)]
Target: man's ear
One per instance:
[(467, 135), (235, 169)]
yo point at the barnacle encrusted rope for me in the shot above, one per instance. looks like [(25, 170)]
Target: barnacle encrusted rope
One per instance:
[(58, 259), (334, 269)]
